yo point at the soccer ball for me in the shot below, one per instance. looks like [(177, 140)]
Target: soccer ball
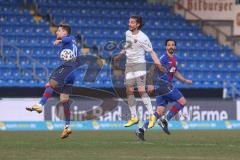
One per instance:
[(66, 54)]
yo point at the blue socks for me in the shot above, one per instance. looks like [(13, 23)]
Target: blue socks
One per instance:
[(174, 110), (66, 106), (145, 125), (47, 94)]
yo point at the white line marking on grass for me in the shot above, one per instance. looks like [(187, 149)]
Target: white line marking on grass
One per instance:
[(137, 142), (168, 157)]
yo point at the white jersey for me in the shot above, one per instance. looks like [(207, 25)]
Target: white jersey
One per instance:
[(136, 47)]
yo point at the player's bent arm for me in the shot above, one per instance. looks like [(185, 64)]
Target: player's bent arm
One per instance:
[(150, 79), (156, 61), (180, 77), (57, 41), (120, 55), (150, 75)]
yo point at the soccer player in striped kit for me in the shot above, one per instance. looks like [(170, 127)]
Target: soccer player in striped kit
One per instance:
[(166, 92)]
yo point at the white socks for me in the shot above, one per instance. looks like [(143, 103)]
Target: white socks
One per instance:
[(132, 106), (147, 101)]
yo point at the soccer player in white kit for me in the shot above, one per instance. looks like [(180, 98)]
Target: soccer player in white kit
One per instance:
[(137, 44)]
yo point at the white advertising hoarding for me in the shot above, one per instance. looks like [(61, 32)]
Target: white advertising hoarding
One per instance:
[(238, 109), (13, 109), (207, 9), (236, 25)]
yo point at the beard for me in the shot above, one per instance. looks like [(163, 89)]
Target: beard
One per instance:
[(171, 50), (132, 29)]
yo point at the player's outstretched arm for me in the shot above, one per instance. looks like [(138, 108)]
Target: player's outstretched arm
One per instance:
[(150, 79), (57, 41), (156, 61), (180, 77), (120, 55)]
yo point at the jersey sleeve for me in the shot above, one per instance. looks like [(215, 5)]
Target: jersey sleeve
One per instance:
[(146, 44), (161, 59)]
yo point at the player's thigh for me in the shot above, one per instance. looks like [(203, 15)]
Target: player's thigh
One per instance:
[(129, 80), (59, 75), (161, 102), (161, 110), (140, 74), (162, 88), (182, 101), (70, 79), (176, 95), (64, 97), (141, 83)]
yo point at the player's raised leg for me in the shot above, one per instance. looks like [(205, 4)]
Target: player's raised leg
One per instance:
[(46, 95), (179, 101), (176, 108)]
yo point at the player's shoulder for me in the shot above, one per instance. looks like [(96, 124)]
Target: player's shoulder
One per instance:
[(128, 32), (143, 35), (163, 57), (68, 36), (72, 37)]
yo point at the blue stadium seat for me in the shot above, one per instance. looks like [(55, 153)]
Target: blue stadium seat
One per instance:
[(201, 58)]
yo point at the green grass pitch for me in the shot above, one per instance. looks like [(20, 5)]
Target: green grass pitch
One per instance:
[(120, 145)]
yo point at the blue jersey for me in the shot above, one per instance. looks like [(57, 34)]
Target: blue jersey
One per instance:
[(170, 63), (68, 43), (166, 92)]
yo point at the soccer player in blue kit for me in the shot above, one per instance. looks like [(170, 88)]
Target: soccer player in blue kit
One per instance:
[(167, 93), (62, 75)]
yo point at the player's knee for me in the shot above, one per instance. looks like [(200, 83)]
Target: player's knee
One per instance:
[(141, 91), (53, 83), (160, 110), (130, 91), (182, 101), (64, 98)]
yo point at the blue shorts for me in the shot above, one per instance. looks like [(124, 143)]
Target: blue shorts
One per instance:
[(172, 96), (64, 74)]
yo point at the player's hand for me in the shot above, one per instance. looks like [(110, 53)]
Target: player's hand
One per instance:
[(187, 81), (119, 56), (116, 58), (150, 89), (161, 68), (56, 42)]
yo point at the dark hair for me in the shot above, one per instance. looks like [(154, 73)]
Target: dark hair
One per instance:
[(167, 40), (138, 20), (66, 27)]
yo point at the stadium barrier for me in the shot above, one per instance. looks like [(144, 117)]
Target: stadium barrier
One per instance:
[(117, 125), (199, 114)]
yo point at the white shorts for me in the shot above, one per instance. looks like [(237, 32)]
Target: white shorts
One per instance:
[(135, 74)]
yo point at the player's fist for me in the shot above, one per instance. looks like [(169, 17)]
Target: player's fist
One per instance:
[(187, 81), (56, 42), (116, 58)]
